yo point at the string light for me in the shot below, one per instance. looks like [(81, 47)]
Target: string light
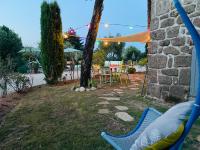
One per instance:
[(88, 26), (106, 25), (105, 43), (130, 27), (118, 43), (65, 36)]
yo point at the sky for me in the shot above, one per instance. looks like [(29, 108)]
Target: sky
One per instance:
[(23, 17)]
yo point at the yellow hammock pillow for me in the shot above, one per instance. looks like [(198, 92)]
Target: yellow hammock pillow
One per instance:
[(165, 143)]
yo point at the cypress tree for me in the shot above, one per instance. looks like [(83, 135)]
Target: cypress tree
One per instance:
[(52, 48)]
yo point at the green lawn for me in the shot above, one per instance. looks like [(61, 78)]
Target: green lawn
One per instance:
[(57, 118)]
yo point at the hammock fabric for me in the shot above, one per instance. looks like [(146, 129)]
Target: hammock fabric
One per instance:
[(143, 37), (150, 114)]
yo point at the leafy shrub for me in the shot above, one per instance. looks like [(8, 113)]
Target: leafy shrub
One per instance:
[(35, 67), (142, 62), (131, 70), (173, 99), (19, 82), (23, 69)]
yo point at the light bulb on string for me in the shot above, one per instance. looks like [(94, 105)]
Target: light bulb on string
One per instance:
[(97, 42), (65, 36), (130, 28), (88, 26), (106, 25), (105, 43), (118, 43)]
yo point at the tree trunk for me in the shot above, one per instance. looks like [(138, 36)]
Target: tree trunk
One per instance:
[(90, 42)]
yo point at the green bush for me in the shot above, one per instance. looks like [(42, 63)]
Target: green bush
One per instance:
[(19, 82), (36, 66), (142, 62), (131, 70), (23, 69)]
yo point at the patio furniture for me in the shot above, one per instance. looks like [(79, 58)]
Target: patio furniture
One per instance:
[(96, 73), (123, 72), (106, 75), (150, 114)]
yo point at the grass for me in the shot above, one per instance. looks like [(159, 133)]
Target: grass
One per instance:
[(57, 118)]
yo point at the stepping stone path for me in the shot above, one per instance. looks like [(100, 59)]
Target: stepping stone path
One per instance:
[(103, 111), (103, 103), (124, 116), (121, 108), (111, 98)]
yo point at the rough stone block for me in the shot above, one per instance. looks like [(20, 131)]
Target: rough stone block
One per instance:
[(167, 22), (152, 76), (184, 78), (158, 35), (153, 47), (197, 22), (170, 62), (170, 72), (166, 80), (179, 41), (175, 80), (173, 32), (154, 24), (160, 50), (157, 61), (164, 43), (164, 95), (174, 13), (165, 88), (186, 49), (154, 90), (187, 1), (164, 16), (162, 7), (171, 50), (182, 61), (190, 8), (198, 5), (179, 20), (195, 14), (178, 92)]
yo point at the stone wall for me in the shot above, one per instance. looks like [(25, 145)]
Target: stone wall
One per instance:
[(170, 51)]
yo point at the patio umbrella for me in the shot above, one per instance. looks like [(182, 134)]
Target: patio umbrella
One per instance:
[(75, 51), (142, 37), (29, 49), (71, 50)]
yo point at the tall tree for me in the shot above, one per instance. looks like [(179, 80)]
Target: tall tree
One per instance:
[(90, 42), (51, 42), (113, 50), (73, 39), (10, 43)]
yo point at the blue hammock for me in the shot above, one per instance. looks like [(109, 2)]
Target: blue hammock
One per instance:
[(149, 115)]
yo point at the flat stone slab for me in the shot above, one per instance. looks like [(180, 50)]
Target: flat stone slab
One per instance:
[(118, 90), (111, 98), (123, 87), (103, 111), (134, 88), (124, 116), (109, 94), (198, 138), (103, 103), (121, 108)]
